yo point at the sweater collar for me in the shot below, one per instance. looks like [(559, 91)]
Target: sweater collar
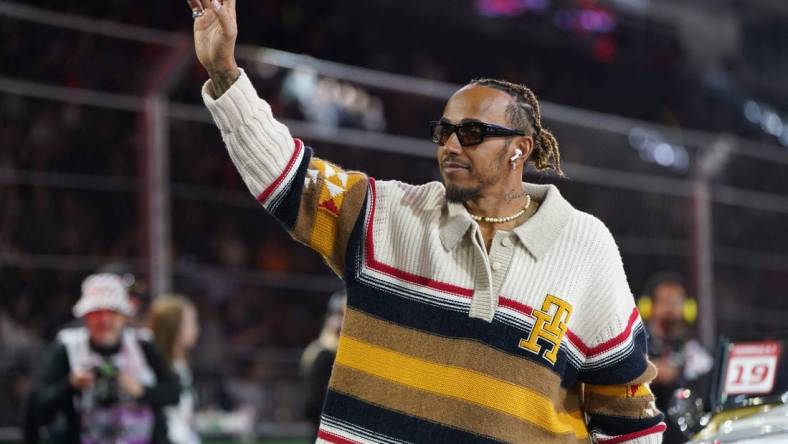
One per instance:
[(537, 234)]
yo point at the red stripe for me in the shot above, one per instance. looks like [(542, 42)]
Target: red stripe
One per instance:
[(299, 146), (399, 274), (330, 437), (570, 335), (514, 305), (659, 428), (610, 343)]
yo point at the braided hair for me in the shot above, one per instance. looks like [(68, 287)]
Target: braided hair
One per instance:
[(523, 113)]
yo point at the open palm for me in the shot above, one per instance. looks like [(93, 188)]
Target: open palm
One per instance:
[(215, 33)]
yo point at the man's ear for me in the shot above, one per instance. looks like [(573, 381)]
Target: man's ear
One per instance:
[(526, 144)]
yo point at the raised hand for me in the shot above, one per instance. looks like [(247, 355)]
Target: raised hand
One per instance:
[(215, 31)]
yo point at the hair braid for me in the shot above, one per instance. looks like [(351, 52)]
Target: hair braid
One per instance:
[(524, 114)]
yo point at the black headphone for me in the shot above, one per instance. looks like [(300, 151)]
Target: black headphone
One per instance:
[(645, 302)]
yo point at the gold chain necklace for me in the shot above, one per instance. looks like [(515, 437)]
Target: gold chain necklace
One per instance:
[(502, 219)]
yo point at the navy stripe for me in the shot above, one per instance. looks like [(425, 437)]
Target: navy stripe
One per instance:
[(395, 425), (452, 324), (612, 359), (286, 204), (623, 371), (355, 246), (617, 425)]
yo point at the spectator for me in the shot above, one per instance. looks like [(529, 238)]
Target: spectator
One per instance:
[(175, 331), (103, 382), (318, 359), (15, 326), (680, 359)]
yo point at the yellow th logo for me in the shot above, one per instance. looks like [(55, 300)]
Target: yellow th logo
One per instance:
[(550, 325)]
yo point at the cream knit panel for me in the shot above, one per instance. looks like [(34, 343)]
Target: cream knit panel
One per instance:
[(259, 145), (406, 234), (610, 290), (566, 272), (654, 438)]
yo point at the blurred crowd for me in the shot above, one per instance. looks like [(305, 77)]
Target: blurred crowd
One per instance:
[(230, 258), (651, 76)]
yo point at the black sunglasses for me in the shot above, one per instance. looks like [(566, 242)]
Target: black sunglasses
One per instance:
[(468, 133)]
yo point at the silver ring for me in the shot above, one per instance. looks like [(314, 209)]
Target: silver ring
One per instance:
[(197, 13)]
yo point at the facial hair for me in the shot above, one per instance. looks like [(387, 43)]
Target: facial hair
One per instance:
[(461, 195), (457, 194)]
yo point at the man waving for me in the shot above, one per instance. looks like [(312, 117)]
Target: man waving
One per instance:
[(480, 309)]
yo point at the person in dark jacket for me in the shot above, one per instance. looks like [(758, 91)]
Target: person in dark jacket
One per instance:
[(681, 360), (318, 360), (102, 382)]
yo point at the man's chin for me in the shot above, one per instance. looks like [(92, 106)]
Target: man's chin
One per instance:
[(460, 194)]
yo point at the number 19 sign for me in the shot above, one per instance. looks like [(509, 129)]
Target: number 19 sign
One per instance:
[(752, 367)]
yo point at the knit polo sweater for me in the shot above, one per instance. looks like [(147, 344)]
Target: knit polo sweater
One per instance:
[(439, 344)]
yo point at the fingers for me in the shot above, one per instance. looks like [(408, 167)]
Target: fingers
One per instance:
[(205, 4), (230, 5), (223, 12), (195, 5)]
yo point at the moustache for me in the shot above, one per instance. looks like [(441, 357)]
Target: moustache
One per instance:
[(453, 163)]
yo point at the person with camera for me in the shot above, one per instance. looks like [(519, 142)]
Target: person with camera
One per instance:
[(102, 382)]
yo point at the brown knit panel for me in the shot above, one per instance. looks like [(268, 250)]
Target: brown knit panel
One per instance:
[(445, 410), (462, 353), (334, 231)]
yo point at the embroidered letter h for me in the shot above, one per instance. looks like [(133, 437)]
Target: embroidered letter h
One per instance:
[(549, 327)]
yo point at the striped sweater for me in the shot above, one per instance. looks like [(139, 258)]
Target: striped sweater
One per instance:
[(439, 344)]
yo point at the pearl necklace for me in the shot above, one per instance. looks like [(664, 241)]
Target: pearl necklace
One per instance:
[(500, 220)]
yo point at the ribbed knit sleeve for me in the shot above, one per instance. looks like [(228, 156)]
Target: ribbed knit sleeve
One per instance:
[(260, 146), (616, 374), (316, 201)]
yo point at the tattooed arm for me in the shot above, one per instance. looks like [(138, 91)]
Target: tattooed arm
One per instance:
[(221, 81)]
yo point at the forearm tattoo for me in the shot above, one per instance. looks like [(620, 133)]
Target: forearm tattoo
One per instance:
[(221, 81)]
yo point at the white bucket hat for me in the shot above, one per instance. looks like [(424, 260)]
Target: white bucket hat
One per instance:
[(103, 291)]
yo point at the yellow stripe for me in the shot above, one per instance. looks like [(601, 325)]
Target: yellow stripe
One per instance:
[(324, 231), (620, 391), (459, 383)]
